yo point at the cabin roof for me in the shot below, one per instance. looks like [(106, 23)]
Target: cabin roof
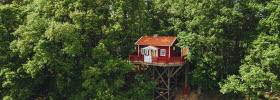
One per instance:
[(152, 47), (156, 41)]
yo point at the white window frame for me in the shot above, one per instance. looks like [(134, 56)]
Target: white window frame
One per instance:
[(162, 52), (145, 52), (142, 51)]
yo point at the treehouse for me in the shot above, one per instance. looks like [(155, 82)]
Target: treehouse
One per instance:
[(158, 50), (163, 61)]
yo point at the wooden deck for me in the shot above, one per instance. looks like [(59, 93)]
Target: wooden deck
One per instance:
[(158, 61), (158, 64)]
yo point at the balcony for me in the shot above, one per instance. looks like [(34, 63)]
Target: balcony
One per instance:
[(157, 61)]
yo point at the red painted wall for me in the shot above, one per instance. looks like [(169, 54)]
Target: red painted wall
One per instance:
[(160, 47), (176, 52), (164, 59), (173, 53)]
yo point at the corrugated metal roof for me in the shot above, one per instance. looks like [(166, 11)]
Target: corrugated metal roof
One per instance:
[(158, 41)]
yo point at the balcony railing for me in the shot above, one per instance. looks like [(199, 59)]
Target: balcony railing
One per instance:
[(161, 60)]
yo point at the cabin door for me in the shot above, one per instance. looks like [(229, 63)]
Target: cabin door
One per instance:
[(149, 53), (147, 56)]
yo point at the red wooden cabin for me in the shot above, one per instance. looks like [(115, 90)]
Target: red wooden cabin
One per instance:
[(158, 50)]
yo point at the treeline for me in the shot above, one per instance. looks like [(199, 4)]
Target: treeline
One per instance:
[(71, 49), (78, 49)]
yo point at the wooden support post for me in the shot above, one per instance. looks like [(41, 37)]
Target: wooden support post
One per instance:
[(153, 78), (168, 82), (186, 75)]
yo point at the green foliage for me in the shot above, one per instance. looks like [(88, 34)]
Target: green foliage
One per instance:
[(205, 79), (141, 88), (73, 49), (9, 62), (104, 80), (8, 98), (8, 24), (217, 32), (259, 72), (69, 49), (212, 31)]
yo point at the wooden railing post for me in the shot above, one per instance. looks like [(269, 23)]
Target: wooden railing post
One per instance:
[(166, 61), (157, 59), (181, 59)]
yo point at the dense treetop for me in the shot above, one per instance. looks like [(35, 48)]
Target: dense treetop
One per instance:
[(78, 49)]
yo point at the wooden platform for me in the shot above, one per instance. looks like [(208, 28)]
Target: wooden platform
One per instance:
[(158, 64)]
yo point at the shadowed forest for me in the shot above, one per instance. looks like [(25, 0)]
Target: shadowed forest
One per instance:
[(78, 49)]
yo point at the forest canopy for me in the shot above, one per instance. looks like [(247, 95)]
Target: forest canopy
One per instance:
[(78, 49)]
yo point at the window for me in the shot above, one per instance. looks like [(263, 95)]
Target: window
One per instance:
[(162, 52), (145, 52), (174, 48), (154, 53)]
